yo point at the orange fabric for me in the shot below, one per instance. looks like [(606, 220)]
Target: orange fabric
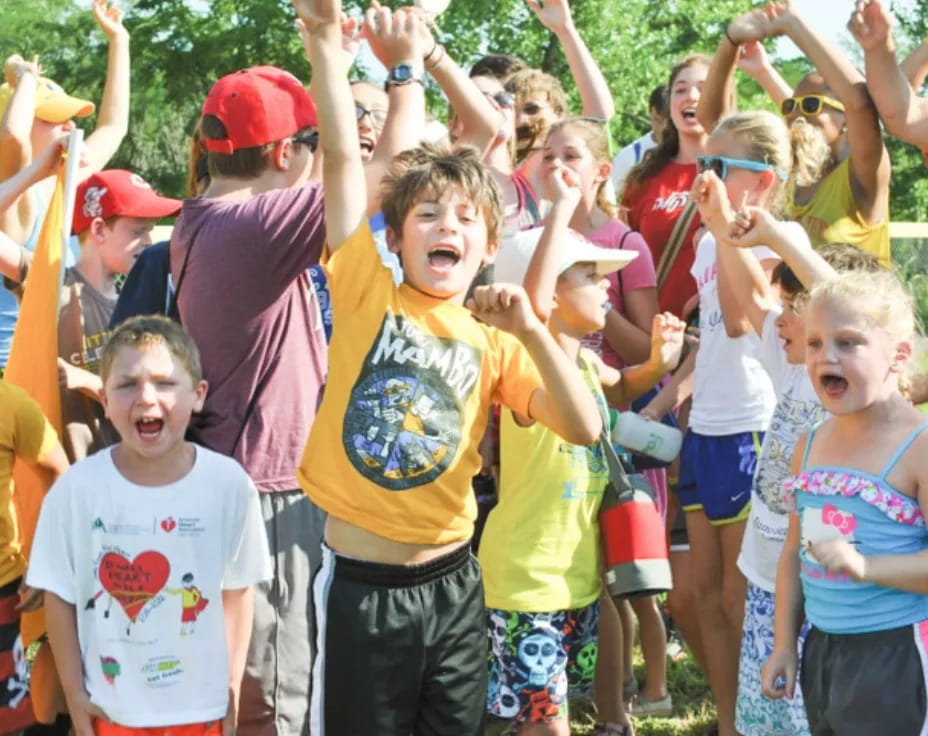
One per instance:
[(33, 366), (210, 728)]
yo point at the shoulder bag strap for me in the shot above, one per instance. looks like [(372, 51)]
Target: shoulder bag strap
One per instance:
[(675, 242)]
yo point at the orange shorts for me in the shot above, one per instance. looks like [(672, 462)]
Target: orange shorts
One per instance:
[(211, 728)]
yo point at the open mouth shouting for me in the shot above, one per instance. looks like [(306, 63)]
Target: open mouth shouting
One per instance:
[(443, 258), (689, 114), (149, 428), (367, 147), (833, 386)]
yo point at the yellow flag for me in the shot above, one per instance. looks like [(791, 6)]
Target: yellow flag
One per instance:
[(33, 365)]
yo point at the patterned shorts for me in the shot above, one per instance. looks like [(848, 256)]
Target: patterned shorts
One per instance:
[(757, 715), (539, 661)]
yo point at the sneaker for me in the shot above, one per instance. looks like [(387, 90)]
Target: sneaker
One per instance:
[(613, 729), (662, 708), (629, 689)]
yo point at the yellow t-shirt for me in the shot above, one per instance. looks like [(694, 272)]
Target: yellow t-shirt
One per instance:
[(831, 216), (410, 381), (25, 433), (540, 549)]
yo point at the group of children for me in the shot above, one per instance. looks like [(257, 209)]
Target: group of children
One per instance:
[(236, 548)]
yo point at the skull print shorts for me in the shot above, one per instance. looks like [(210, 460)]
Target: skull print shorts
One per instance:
[(539, 661)]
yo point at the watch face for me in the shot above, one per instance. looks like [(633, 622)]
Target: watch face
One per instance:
[(401, 73)]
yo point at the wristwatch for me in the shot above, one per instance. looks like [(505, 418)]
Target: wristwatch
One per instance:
[(402, 74)]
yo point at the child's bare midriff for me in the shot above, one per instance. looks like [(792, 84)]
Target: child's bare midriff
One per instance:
[(353, 541)]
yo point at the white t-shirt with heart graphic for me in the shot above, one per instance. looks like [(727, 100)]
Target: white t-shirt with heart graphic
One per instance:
[(145, 568)]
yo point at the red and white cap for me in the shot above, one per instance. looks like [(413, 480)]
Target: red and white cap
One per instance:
[(258, 105), (118, 192)]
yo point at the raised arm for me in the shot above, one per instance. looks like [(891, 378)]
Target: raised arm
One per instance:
[(754, 62), (754, 226), (342, 170), (16, 144), (113, 118), (915, 66), (541, 277), (395, 38), (869, 159), (904, 113), (718, 91), (480, 121), (44, 165), (597, 100)]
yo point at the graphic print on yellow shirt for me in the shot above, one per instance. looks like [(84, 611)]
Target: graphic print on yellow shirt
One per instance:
[(411, 379), (403, 422)]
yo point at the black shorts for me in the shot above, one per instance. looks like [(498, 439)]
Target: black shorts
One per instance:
[(401, 649), (866, 684)]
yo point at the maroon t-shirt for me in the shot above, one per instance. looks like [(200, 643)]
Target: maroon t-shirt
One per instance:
[(245, 296)]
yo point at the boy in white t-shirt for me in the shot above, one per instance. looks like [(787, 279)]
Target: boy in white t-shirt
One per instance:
[(122, 537), (782, 354)]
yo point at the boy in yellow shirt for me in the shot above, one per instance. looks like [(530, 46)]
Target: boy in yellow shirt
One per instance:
[(399, 600)]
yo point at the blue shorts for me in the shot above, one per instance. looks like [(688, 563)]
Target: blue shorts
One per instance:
[(539, 661), (716, 474)]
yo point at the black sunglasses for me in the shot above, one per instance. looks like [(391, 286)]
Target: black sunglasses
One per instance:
[(503, 99), (378, 116), (310, 138)]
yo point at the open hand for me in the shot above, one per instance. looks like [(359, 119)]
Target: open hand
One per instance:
[(315, 13), (553, 14), (778, 677), (505, 306), (754, 25), (109, 18), (782, 15), (871, 24), (839, 557), (83, 713), (667, 335), (752, 58), (394, 36)]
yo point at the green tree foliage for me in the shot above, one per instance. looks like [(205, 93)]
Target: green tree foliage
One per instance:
[(179, 47)]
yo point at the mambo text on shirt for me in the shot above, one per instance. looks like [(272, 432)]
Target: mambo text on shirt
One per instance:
[(405, 416)]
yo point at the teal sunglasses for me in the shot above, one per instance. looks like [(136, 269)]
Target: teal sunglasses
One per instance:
[(719, 165)]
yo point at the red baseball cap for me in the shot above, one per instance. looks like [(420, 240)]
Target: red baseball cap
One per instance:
[(118, 192), (258, 105)]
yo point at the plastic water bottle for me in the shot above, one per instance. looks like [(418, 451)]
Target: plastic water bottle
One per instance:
[(643, 435)]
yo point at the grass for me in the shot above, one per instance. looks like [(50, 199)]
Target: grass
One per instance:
[(694, 711)]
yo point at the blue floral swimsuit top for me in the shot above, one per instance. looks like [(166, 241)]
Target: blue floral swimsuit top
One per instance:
[(836, 502)]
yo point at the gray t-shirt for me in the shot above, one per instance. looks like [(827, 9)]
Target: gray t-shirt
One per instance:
[(244, 294)]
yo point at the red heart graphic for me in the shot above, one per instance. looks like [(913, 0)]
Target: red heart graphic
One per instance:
[(134, 583), (168, 524)]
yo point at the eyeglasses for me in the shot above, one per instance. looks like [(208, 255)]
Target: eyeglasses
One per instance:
[(809, 105), (309, 138), (719, 165), (503, 99), (378, 115), (533, 108)]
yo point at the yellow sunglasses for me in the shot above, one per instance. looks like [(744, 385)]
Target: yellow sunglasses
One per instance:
[(809, 105)]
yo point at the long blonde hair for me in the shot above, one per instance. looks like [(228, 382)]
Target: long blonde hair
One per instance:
[(795, 150)]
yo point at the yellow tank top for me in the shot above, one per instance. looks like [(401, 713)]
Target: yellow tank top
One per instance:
[(831, 216), (540, 549)]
